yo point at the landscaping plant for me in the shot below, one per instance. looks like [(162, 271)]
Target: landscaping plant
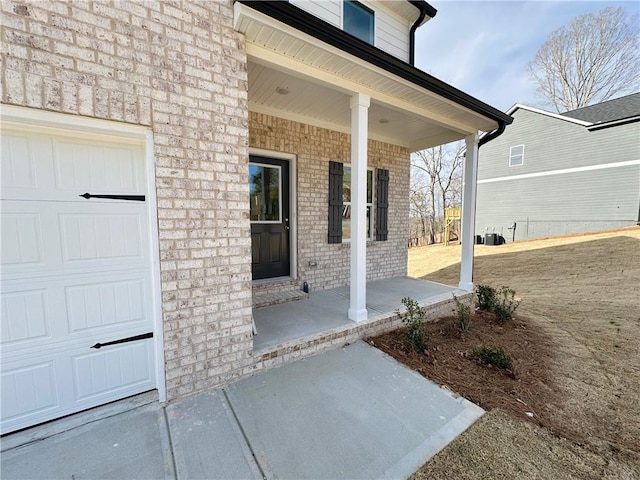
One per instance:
[(501, 302), (463, 315), (493, 355), (486, 296), (505, 304), (414, 318)]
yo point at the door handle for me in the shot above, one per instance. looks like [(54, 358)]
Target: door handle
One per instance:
[(286, 224)]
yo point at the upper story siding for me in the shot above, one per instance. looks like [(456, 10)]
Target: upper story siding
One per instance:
[(555, 144), (392, 31)]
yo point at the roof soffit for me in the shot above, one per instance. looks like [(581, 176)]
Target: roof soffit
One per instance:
[(273, 43)]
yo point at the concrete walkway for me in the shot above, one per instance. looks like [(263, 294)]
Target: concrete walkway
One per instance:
[(349, 413)]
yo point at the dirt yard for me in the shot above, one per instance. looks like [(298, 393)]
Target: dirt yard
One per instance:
[(576, 346)]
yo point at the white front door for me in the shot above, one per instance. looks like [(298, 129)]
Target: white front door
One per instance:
[(75, 272)]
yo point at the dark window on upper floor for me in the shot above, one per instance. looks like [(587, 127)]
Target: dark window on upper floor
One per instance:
[(358, 20)]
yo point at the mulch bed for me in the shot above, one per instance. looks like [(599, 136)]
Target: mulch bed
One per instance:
[(525, 392)]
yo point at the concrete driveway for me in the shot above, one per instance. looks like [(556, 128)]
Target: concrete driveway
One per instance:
[(349, 413)]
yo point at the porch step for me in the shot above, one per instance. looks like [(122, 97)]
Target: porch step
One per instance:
[(275, 298)]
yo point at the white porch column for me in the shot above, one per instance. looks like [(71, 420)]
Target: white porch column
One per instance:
[(469, 188), (358, 276)]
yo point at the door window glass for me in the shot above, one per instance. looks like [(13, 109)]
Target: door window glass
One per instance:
[(264, 190)]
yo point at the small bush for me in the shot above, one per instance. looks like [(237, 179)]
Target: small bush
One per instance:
[(463, 315), (505, 304), (486, 297), (414, 318), (493, 355), (500, 302)]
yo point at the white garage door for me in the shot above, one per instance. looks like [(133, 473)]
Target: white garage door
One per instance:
[(75, 272)]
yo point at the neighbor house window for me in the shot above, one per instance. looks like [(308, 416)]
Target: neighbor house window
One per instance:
[(516, 156), (346, 204), (358, 20)]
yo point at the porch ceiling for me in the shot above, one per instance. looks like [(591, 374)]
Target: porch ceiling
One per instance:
[(321, 78), (314, 103)]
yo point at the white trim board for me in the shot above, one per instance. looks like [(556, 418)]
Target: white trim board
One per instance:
[(548, 114), (548, 173)]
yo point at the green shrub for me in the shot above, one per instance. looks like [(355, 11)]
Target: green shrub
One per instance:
[(493, 355), (463, 315), (486, 297), (505, 304), (414, 318), (500, 302)]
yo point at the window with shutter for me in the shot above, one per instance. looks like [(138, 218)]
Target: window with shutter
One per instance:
[(336, 172), (382, 204)]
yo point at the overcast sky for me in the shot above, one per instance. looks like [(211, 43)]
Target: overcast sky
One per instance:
[(483, 47)]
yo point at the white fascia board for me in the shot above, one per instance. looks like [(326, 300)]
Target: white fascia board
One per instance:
[(548, 114)]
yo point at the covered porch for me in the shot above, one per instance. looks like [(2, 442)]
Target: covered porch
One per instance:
[(304, 76), (297, 329)]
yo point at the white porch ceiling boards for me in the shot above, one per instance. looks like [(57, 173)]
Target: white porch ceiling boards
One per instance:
[(315, 104), (321, 78)]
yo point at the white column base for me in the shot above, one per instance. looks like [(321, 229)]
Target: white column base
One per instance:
[(358, 315), (466, 286)]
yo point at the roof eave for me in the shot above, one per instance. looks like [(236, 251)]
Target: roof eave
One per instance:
[(305, 22)]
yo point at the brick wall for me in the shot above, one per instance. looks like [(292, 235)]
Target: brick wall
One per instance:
[(314, 148), (179, 68)]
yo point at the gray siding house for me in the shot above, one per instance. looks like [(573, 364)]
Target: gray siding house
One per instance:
[(551, 174)]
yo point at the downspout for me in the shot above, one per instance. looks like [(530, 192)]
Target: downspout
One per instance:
[(495, 134), (425, 9)]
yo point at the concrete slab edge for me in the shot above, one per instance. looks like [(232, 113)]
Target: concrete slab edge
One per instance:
[(258, 468), (413, 460)]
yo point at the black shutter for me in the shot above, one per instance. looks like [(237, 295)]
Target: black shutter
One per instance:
[(382, 204), (336, 172)]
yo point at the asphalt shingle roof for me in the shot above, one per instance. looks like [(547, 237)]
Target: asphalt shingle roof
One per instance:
[(609, 111)]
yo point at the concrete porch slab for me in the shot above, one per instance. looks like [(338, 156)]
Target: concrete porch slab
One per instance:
[(327, 310), (385, 296), (353, 412)]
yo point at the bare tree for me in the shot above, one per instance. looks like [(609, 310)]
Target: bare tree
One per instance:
[(436, 184), (592, 60), (419, 208)]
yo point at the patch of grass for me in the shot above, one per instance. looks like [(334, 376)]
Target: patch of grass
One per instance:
[(493, 355), (414, 318), (463, 315)]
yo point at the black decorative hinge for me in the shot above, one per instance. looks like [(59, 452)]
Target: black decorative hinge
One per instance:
[(124, 340), (136, 198)]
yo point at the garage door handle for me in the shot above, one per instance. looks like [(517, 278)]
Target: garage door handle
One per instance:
[(124, 340), (136, 198)]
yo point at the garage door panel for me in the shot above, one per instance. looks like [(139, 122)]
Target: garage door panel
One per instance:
[(79, 236), (111, 368), (26, 164), (105, 167), (102, 304), (29, 390), (21, 238), (25, 316), (100, 236), (58, 312)]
